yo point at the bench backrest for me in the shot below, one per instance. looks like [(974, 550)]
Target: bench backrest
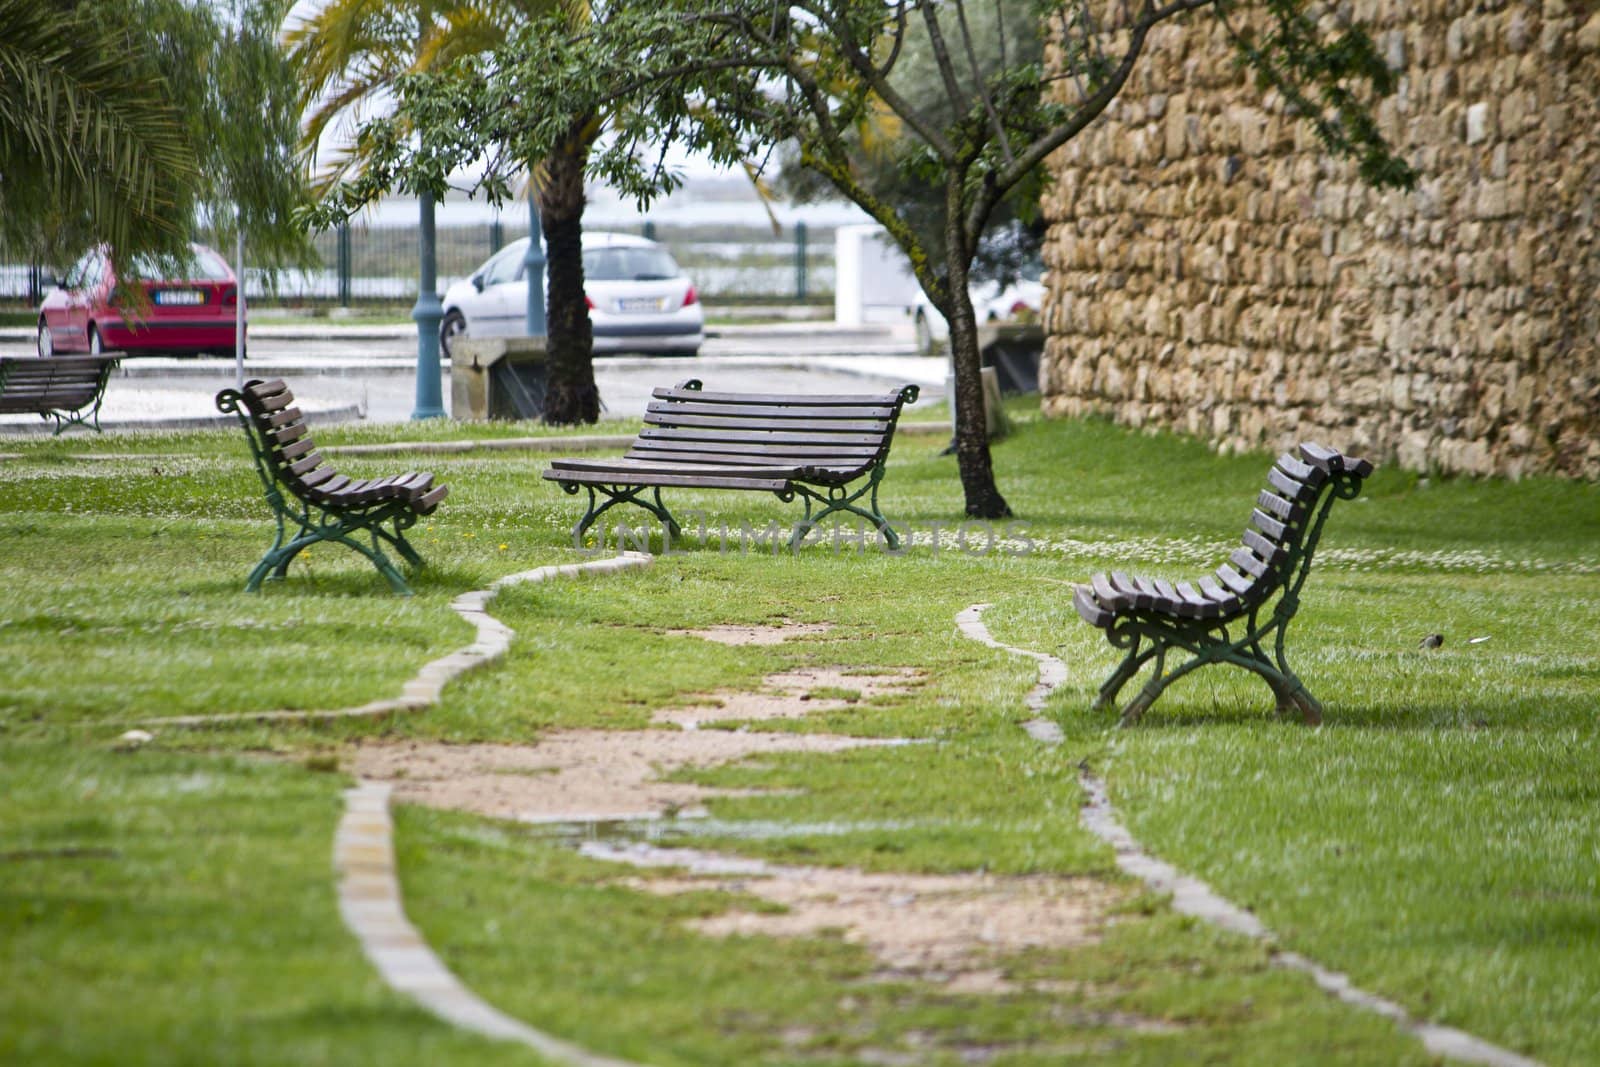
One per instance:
[(849, 434), (1287, 521), (284, 451), (59, 383)]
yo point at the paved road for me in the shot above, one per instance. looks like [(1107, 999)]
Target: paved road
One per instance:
[(357, 372)]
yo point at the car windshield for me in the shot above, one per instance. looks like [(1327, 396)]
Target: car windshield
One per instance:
[(625, 264), (201, 266)]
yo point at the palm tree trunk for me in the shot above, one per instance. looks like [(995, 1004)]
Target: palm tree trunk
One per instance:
[(571, 396)]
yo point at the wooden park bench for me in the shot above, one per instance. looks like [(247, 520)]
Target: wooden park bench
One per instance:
[(322, 504), (66, 388), (813, 447), (1226, 618)]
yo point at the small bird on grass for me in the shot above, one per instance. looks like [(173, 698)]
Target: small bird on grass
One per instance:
[(1433, 641)]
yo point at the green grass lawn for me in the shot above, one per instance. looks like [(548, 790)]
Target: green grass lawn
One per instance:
[(1438, 838)]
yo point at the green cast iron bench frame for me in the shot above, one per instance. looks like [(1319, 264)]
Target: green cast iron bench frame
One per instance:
[(795, 445), (1228, 618), (68, 389), (322, 504)]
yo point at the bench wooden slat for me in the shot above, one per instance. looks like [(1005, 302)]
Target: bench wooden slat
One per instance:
[(680, 481), (787, 399), (785, 410), (1233, 580), (757, 437), (29, 378), (296, 448), (1271, 551), (1199, 605), (31, 399), (426, 503), (819, 428), (1106, 594), (1286, 510), (305, 464), (1139, 591), (1248, 563), (1229, 603), (1268, 525), (1289, 487), (1084, 600), (290, 433), (1302, 471), (646, 446), (323, 482), (858, 458)]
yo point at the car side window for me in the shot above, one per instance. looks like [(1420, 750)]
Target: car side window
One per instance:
[(77, 276), (506, 267)]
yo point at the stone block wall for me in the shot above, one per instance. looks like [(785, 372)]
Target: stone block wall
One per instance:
[(1210, 270)]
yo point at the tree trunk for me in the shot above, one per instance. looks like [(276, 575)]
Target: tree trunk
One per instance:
[(570, 396), (972, 426)]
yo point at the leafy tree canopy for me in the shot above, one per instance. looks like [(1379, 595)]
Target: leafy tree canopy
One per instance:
[(733, 79), (128, 121)]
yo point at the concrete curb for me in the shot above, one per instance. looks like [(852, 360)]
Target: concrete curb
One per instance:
[(1193, 897), (346, 413), (371, 906), (423, 690)]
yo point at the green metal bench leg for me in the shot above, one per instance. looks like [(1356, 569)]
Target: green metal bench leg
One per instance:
[(398, 542), (1125, 670), (621, 495), (1152, 689), (837, 500), (275, 564)]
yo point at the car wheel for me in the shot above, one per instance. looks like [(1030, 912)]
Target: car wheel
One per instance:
[(46, 341), (96, 345), (453, 325), (924, 335)]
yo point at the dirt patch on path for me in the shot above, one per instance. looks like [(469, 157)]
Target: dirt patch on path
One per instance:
[(949, 929), (793, 694), (576, 775), (756, 635)]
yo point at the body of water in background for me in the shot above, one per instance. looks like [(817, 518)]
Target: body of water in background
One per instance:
[(607, 211)]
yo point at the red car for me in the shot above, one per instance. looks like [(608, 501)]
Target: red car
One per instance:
[(190, 308)]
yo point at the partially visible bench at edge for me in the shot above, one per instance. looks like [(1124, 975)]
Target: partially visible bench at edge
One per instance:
[(1148, 617), (811, 446), (66, 388), (326, 505)]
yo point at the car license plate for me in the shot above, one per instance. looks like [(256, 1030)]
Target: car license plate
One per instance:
[(640, 303), (180, 297)]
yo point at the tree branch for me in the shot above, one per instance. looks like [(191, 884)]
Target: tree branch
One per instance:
[(979, 83), (1089, 110), (879, 84)]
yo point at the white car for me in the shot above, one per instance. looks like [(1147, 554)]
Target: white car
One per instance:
[(639, 300), (1019, 302)]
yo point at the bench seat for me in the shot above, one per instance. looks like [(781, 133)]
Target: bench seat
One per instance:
[(322, 504), (1149, 616), (810, 446)]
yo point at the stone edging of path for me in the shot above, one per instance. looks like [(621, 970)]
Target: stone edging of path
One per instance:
[(369, 901), (1191, 896), (422, 691)]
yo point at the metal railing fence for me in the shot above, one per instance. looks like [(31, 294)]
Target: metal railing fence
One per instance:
[(373, 264)]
